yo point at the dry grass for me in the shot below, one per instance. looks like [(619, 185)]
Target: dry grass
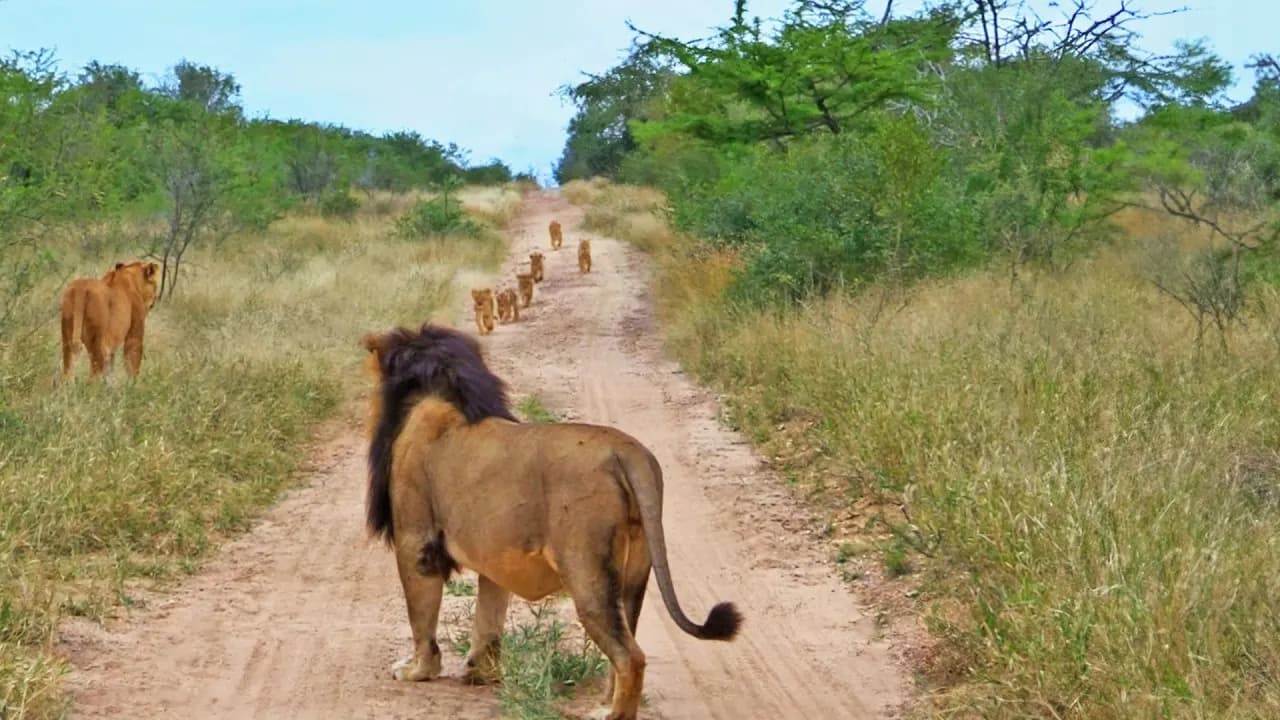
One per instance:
[(497, 204), (585, 192), (1098, 497), (382, 204), (103, 486)]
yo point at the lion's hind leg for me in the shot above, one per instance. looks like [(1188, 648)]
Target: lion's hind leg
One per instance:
[(70, 346), (486, 632), (596, 592), (635, 580), (424, 566)]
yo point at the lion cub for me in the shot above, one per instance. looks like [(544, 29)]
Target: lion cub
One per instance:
[(508, 306), (557, 237), (482, 302), (584, 255), (525, 281), (535, 266)]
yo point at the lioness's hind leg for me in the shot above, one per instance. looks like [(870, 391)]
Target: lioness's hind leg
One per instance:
[(423, 592), (486, 632), (133, 356), (70, 346), (98, 359)]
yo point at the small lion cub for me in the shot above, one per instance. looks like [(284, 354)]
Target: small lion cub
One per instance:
[(535, 266), (557, 237), (584, 256), (525, 281), (482, 302), (508, 306)]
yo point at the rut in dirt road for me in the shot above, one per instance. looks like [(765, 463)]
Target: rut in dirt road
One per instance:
[(302, 617)]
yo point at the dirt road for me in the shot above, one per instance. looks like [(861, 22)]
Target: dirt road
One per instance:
[(302, 618)]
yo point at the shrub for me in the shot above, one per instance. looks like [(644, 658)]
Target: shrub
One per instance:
[(435, 218), (339, 204), (836, 212)]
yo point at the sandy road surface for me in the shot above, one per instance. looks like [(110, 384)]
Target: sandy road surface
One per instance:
[(301, 617)]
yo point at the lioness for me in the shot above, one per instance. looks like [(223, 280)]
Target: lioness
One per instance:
[(525, 283), (535, 266), (456, 482), (105, 313), (584, 255), (482, 303), (557, 237)]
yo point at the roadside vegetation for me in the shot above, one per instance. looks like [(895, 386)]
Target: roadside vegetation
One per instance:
[(1022, 353), (282, 243)]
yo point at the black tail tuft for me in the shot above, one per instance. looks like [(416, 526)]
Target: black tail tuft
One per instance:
[(722, 623)]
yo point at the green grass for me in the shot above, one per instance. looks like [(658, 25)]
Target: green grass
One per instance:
[(533, 410), (1095, 496), (460, 587), (103, 486), (541, 668)]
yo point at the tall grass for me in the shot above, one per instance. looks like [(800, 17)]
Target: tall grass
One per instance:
[(103, 485), (1099, 497)]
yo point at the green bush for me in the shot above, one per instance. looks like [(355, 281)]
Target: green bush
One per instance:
[(339, 204), (436, 218), (837, 211)]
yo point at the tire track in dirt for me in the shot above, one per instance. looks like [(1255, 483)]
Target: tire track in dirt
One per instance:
[(301, 617)]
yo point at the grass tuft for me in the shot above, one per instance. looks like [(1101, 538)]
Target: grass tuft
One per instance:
[(532, 410), (541, 668)]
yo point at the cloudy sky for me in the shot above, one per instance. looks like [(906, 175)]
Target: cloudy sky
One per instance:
[(481, 73)]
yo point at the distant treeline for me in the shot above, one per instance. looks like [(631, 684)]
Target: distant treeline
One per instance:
[(78, 145)]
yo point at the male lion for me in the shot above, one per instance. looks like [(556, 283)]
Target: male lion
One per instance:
[(535, 266), (584, 255), (482, 303), (105, 313), (557, 237), (456, 482), (525, 282)]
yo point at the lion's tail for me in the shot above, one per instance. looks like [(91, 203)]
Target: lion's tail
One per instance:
[(72, 326), (724, 620)]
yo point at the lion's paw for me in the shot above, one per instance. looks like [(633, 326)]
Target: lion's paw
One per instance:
[(414, 669)]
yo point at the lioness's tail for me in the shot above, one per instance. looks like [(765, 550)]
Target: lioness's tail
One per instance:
[(724, 620), (72, 324)]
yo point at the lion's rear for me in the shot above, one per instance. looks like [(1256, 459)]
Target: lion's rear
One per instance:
[(73, 308)]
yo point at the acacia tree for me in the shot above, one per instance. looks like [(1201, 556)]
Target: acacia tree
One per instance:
[(600, 135), (826, 66), (194, 161), (1218, 170)]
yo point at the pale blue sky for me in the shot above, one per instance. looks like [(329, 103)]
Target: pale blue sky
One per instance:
[(480, 73)]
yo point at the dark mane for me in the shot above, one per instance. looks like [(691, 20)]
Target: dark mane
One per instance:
[(434, 361)]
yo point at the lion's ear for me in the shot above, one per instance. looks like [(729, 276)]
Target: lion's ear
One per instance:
[(119, 266), (374, 343), (150, 270)]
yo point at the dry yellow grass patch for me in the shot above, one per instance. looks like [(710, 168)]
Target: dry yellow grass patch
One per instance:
[(498, 204)]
